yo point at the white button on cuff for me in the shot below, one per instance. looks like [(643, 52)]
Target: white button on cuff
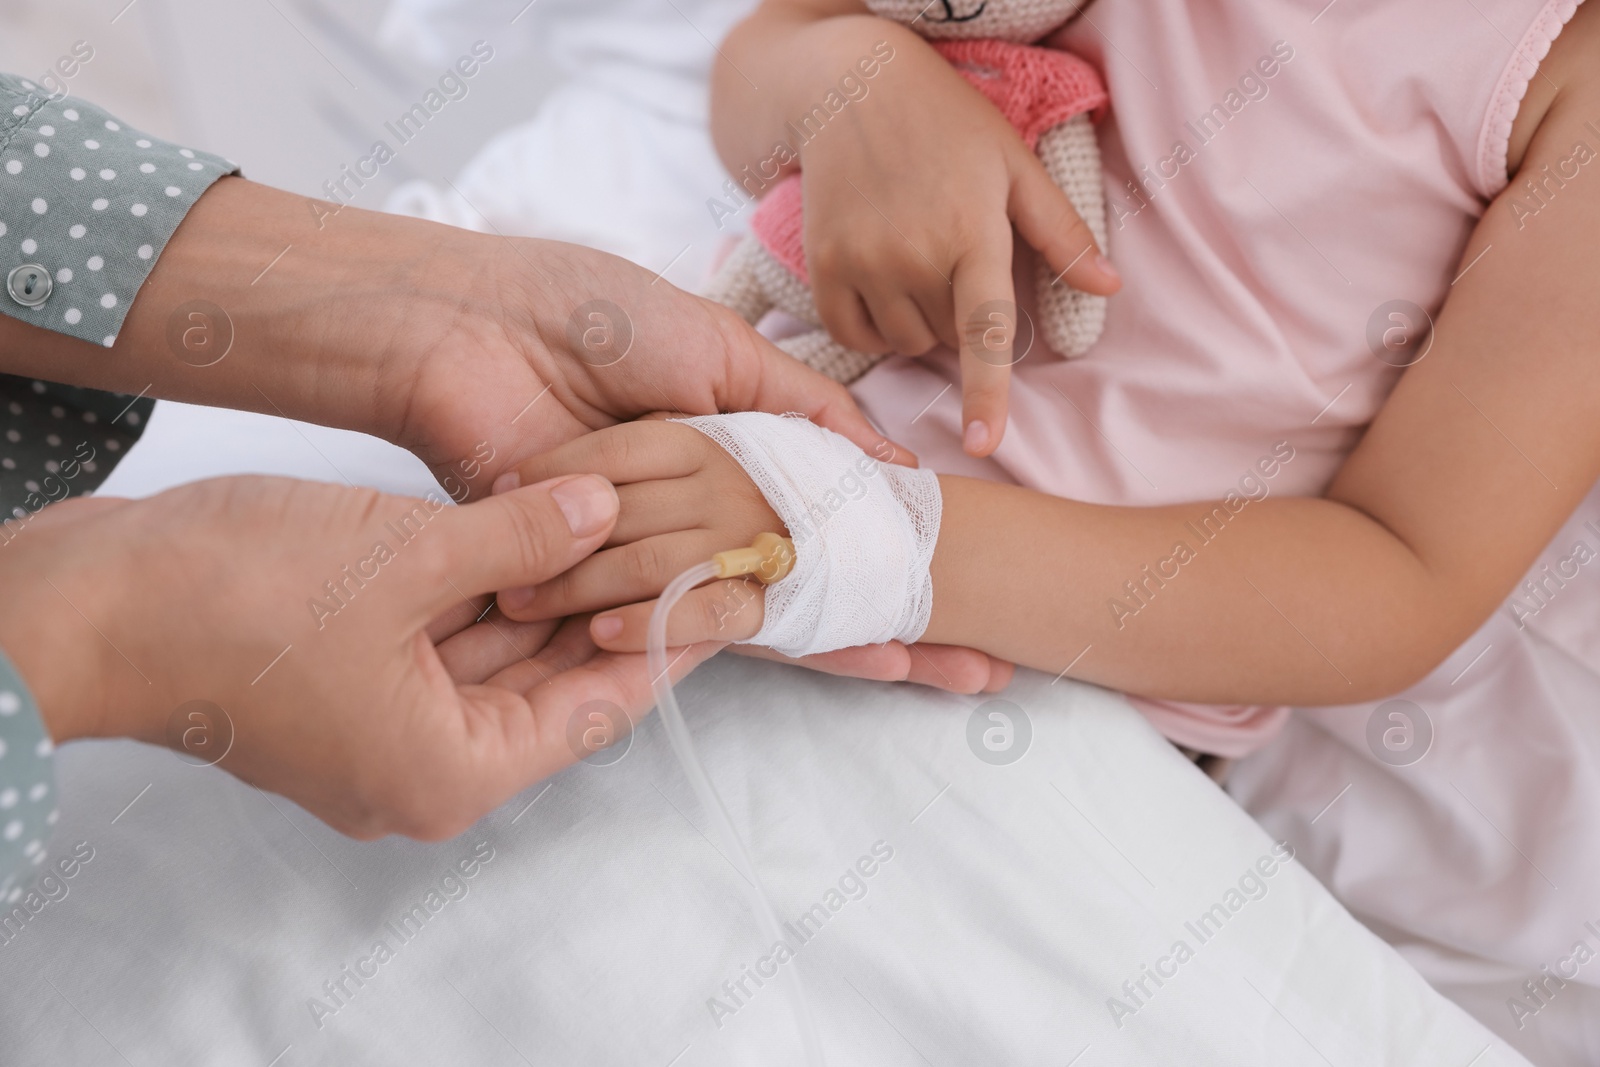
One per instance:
[(29, 285)]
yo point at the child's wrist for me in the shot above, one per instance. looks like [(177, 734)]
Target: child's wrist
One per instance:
[(842, 58), (863, 532)]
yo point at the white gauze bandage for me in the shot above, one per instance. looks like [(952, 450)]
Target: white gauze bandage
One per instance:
[(863, 533)]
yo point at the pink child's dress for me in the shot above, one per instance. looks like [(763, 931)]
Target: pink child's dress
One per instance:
[(1284, 178)]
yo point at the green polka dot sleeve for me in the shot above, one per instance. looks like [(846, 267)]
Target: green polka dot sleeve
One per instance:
[(27, 785), (86, 206)]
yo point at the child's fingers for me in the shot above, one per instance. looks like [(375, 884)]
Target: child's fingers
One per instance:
[(986, 309), (484, 649), (1047, 220), (845, 317), (625, 575), (630, 452), (644, 509), (937, 302), (648, 509), (721, 611), (458, 617), (901, 322)]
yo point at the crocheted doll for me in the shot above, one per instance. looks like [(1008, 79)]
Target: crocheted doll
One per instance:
[(1048, 95)]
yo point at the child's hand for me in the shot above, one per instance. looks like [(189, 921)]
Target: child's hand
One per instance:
[(910, 195), (683, 499)]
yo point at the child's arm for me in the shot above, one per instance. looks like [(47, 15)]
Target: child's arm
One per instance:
[(910, 188), (1484, 449)]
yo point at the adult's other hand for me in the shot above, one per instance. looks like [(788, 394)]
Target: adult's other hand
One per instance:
[(342, 632)]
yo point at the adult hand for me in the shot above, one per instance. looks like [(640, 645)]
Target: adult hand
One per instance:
[(342, 632), (948, 667), (453, 344)]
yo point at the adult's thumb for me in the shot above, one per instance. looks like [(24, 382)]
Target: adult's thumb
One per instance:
[(525, 536)]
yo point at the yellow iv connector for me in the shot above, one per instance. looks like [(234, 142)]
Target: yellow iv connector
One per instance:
[(770, 558)]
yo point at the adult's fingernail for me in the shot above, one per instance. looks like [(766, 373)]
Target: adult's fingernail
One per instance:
[(505, 483), (1106, 267), (588, 502), (605, 627), (513, 600), (976, 437)]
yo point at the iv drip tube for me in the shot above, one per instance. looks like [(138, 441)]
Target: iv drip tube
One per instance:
[(733, 845)]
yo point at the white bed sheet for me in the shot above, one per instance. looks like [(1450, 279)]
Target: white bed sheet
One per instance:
[(619, 156), (1017, 901), (1474, 853)]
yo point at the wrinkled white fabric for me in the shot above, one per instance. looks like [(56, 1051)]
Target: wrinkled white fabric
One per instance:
[(600, 927), (618, 155), (863, 533)]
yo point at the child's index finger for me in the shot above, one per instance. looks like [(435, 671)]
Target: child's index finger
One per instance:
[(990, 324), (628, 452)]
